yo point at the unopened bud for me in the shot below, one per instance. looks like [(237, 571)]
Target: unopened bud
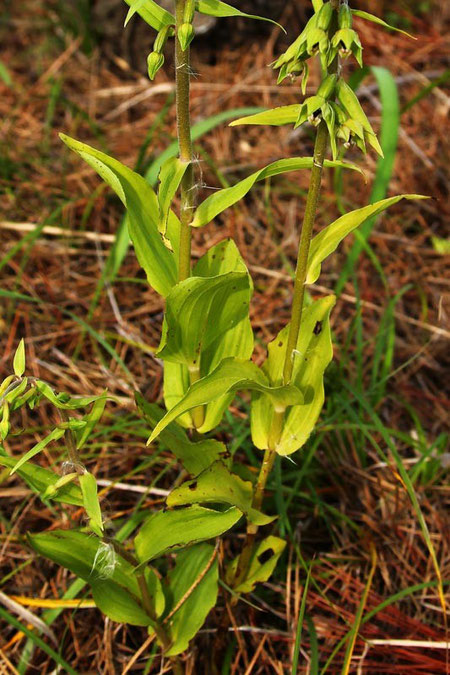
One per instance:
[(326, 88), (186, 34), (345, 19), (155, 61), (324, 16)]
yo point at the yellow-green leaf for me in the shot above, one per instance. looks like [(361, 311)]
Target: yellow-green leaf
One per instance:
[(168, 530), (19, 359), (217, 484), (330, 237), (223, 199)]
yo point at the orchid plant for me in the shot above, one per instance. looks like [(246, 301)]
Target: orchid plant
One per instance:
[(163, 573)]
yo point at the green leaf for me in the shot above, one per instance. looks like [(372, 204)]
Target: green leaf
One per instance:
[(42, 480), (376, 19), (220, 259), (230, 376), (275, 117), (170, 177), (193, 589), (259, 571), (195, 457), (159, 264), (168, 530), (311, 357), (330, 237), (198, 311), (176, 384), (91, 420), (91, 504), (223, 199), (222, 10), (151, 12), (238, 341), (63, 401), (112, 580), (19, 359), (441, 245), (218, 485), (54, 435)]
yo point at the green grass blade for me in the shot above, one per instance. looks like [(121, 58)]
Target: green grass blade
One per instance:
[(301, 618), (358, 617), (9, 618)]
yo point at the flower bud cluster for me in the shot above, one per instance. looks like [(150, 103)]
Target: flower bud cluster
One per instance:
[(337, 105), (316, 39)]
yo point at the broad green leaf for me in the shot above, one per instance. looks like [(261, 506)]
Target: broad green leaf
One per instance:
[(54, 435), (41, 480), (376, 19), (159, 264), (167, 530), (217, 484), (91, 420), (220, 259), (230, 376), (330, 237), (114, 585), (315, 353), (170, 177), (223, 199), (198, 311), (151, 12), (176, 384), (193, 588), (238, 341), (259, 571), (19, 359), (195, 457), (5, 424), (275, 117), (311, 357), (223, 10), (91, 504)]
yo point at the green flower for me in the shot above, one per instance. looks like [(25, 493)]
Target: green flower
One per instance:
[(356, 119), (346, 41)]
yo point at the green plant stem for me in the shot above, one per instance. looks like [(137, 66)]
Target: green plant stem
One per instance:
[(182, 69), (303, 249), (183, 76), (297, 306), (147, 604)]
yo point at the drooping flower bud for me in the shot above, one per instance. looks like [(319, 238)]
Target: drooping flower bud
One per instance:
[(186, 34), (327, 87), (324, 16), (155, 61), (345, 18)]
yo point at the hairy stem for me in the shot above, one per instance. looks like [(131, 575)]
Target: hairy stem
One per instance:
[(182, 68)]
